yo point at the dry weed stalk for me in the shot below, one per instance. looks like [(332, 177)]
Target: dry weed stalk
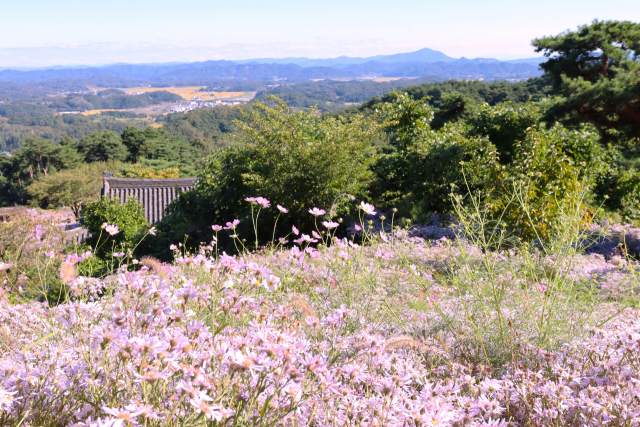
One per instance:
[(403, 341), (302, 306), (68, 273), (154, 265)]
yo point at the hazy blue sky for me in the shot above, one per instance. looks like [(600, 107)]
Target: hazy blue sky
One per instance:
[(42, 33)]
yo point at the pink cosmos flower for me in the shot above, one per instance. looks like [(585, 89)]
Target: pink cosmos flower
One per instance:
[(118, 254), (217, 227), (232, 225), (295, 230), (316, 235), (112, 229), (49, 254), (367, 208), (5, 265), (358, 228), (263, 202), (283, 210), (330, 224), (74, 259), (152, 231), (316, 212)]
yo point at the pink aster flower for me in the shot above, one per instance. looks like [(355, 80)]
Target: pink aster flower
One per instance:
[(316, 212)]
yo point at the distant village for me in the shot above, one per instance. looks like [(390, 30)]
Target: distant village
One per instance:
[(201, 103)]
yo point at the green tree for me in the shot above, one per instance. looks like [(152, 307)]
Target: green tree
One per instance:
[(133, 138), (102, 147), (42, 154), (597, 70), (296, 160), (72, 188)]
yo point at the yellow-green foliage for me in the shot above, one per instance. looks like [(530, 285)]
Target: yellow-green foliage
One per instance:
[(139, 171), (70, 187)]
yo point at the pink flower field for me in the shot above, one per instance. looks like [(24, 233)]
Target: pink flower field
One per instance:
[(381, 329)]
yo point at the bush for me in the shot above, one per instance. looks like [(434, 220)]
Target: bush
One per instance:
[(506, 124), (128, 217), (549, 168), (293, 159), (423, 166)]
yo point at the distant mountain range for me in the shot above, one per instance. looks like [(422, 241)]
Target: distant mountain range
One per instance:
[(424, 62)]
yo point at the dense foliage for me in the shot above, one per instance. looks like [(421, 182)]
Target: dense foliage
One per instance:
[(597, 69), (296, 158)]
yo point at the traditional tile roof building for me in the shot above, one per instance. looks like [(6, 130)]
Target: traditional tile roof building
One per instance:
[(153, 194)]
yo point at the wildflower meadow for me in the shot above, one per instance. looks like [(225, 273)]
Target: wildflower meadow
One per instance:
[(455, 323)]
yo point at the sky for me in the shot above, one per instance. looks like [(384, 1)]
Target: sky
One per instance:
[(38, 33)]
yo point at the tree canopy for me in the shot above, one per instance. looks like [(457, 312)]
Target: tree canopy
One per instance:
[(597, 71)]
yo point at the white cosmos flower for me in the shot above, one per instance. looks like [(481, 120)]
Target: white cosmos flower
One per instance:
[(271, 283)]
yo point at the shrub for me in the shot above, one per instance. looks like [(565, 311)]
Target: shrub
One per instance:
[(293, 159), (139, 171), (128, 217), (549, 168), (424, 166), (506, 124)]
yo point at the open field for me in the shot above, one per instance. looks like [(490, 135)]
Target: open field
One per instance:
[(188, 92)]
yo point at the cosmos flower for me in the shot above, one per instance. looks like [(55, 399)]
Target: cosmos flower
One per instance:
[(367, 208), (271, 283), (282, 209), (329, 224), (112, 229), (316, 212)]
